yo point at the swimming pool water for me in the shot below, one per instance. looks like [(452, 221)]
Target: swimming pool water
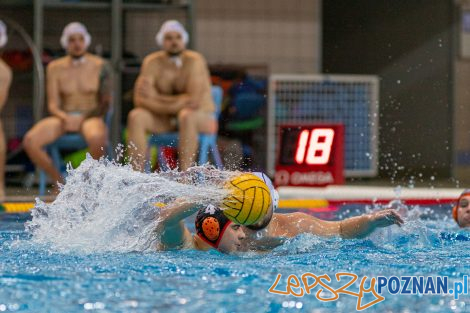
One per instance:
[(35, 278)]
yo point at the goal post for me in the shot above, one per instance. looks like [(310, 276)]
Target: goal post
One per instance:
[(351, 100)]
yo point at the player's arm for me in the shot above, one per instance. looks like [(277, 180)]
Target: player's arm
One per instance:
[(53, 94), (105, 91), (354, 227), (146, 95), (171, 229), (364, 225), (199, 79), (5, 82)]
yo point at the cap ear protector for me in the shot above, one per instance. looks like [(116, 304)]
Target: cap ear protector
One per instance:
[(211, 224), (455, 209), (454, 213)]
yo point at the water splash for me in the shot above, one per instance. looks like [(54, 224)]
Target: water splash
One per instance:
[(104, 206), (424, 227), (305, 243)]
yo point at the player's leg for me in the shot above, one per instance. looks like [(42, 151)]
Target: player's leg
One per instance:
[(3, 152), (191, 123), (43, 133), (95, 132), (141, 122)]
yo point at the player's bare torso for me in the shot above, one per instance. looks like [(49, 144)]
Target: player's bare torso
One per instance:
[(169, 79), (78, 84)]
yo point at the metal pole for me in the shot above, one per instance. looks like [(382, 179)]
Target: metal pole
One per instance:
[(319, 42), (191, 25), (38, 85), (116, 60), (453, 56)]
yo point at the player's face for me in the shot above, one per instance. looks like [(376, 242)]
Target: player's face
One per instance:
[(173, 43), (76, 46), (464, 211), (232, 239)]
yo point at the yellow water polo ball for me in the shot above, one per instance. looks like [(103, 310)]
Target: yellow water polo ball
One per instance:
[(248, 201)]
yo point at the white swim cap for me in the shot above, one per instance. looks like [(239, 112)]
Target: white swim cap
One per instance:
[(3, 34), (75, 28), (171, 26), (273, 191)]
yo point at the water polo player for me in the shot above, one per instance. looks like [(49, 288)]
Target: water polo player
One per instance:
[(247, 202), (461, 212), (78, 96), (213, 229), (173, 91)]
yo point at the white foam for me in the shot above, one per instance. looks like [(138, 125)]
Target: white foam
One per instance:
[(104, 206)]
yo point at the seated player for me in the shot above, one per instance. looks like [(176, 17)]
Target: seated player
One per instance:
[(5, 81), (78, 94), (173, 88), (215, 230), (461, 212)]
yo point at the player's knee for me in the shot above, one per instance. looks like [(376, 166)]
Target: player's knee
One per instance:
[(96, 139), (186, 116), (29, 142), (134, 119)]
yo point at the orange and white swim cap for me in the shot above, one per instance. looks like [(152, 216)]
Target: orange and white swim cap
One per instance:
[(455, 209), (211, 224)]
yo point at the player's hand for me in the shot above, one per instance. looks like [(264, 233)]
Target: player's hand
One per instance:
[(73, 122), (386, 218)]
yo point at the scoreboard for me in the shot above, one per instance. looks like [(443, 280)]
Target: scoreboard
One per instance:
[(310, 155)]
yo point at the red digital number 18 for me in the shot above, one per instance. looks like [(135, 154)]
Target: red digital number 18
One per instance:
[(319, 146)]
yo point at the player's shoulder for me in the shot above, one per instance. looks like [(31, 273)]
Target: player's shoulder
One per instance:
[(5, 70), (154, 57), (194, 55), (287, 218), (96, 60), (58, 64)]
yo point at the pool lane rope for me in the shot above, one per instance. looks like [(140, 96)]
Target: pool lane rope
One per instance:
[(16, 207), (286, 204)]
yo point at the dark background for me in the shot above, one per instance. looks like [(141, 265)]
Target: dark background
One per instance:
[(410, 46)]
